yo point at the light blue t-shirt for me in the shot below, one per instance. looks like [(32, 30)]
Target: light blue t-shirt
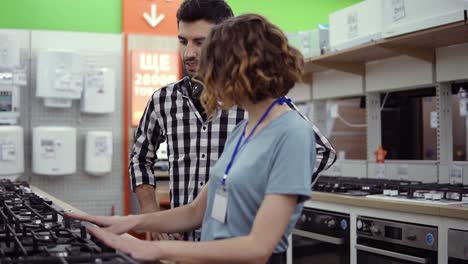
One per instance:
[(279, 159)]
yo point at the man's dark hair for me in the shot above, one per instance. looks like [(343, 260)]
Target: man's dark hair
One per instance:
[(213, 11)]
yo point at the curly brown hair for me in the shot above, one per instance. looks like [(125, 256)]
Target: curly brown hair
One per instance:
[(246, 57)]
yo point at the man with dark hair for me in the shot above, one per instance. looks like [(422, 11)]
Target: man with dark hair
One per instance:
[(174, 114)]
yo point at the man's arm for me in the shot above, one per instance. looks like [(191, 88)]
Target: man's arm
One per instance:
[(325, 154), (142, 159)]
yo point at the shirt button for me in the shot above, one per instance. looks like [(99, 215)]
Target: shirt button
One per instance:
[(203, 156), (201, 183), (204, 128)]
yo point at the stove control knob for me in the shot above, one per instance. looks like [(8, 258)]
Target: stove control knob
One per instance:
[(411, 237), (375, 230), (303, 218), (359, 224), (331, 223)]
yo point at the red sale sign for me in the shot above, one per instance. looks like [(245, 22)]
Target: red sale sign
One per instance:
[(150, 70)]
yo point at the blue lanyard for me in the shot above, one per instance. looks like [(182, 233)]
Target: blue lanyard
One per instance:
[(280, 100)]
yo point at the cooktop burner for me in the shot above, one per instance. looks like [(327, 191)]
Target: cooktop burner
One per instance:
[(33, 230), (360, 186), (411, 191)]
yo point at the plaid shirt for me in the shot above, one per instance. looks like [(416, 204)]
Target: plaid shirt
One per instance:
[(193, 144)]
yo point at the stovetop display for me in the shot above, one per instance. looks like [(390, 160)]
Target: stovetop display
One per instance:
[(412, 191), (33, 230)]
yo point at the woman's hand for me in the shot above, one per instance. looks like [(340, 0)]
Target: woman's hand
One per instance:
[(114, 224), (138, 249)]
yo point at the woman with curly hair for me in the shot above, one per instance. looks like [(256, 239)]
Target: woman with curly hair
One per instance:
[(258, 185)]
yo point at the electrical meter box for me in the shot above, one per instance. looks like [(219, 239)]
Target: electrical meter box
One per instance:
[(54, 150), (99, 91), (98, 155), (11, 152), (59, 74), (9, 50), (9, 104)]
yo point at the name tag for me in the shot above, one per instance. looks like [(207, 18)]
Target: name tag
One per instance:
[(220, 206)]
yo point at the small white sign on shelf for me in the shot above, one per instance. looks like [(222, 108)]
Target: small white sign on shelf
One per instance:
[(380, 170), (402, 172), (20, 78), (456, 174), (353, 30), (434, 119), (398, 7)]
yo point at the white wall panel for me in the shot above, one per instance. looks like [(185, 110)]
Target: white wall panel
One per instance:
[(332, 84), (398, 73), (301, 92), (91, 194), (452, 63)]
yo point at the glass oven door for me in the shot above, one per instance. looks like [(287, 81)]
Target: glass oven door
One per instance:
[(457, 261), (309, 247), (371, 251)]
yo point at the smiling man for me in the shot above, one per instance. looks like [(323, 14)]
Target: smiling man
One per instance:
[(174, 114)]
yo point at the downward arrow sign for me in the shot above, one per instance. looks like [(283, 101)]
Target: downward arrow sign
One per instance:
[(153, 19)]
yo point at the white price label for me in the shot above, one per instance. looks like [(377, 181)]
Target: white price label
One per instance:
[(6, 78), (7, 152), (20, 78), (456, 175), (103, 146), (463, 106), (48, 148), (352, 25), (398, 7), (434, 119), (402, 172), (380, 170)]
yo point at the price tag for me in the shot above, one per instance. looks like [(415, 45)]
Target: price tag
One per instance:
[(6, 78), (463, 106), (352, 25), (402, 172), (20, 78), (434, 119), (398, 7), (456, 175), (103, 146), (7, 152), (380, 170)]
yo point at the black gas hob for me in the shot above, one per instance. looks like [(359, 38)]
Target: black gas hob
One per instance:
[(410, 190), (34, 230)]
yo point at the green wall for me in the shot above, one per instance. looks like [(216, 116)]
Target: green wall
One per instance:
[(68, 15), (292, 15), (105, 15)]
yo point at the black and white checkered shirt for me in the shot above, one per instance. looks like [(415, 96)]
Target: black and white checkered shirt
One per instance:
[(193, 144)]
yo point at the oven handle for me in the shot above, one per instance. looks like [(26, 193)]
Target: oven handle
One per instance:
[(319, 237), (392, 254)]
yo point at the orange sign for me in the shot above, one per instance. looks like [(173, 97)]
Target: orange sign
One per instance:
[(150, 70), (150, 16)]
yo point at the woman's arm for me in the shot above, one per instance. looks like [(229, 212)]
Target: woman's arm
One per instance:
[(176, 220), (270, 223), (187, 217)]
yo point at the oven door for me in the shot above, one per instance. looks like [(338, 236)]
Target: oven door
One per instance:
[(309, 247), (372, 251), (457, 261)]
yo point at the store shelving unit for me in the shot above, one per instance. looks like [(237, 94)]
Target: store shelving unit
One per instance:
[(420, 45)]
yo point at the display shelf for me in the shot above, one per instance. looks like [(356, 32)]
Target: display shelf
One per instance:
[(420, 45)]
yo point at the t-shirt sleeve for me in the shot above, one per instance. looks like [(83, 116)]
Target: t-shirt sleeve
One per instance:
[(293, 164)]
